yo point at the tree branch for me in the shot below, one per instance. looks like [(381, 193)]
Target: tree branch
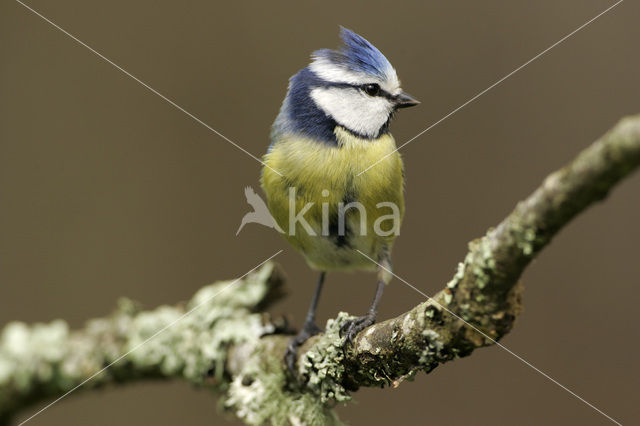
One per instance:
[(221, 341)]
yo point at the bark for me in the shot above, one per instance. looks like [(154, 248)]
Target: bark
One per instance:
[(220, 340)]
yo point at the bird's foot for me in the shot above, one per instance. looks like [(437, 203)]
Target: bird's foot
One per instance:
[(352, 327), (291, 354)]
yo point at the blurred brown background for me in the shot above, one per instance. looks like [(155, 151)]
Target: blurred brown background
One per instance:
[(107, 190)]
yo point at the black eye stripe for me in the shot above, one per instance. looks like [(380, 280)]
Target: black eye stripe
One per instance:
[(381, 92), (371, 89), (386, 94)]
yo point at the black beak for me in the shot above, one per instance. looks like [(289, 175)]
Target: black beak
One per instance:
[(405, 100)]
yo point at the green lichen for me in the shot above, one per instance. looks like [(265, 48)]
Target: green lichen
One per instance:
[(322, 364), (522, 232), (480, 260), (259, 395), (28, 354), (216, 317), (457, 277), (169, 341), (431, 355), (526, 243)]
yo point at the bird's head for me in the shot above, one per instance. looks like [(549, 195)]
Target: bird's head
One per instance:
[(354, 87)]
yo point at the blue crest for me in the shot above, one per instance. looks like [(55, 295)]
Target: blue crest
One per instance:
[(299, 112), (356, 54)]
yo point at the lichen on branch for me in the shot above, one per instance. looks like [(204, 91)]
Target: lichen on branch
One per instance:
[(220, 339), (187, 341)]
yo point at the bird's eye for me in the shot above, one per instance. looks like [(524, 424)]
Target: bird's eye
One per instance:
[(371, 89)]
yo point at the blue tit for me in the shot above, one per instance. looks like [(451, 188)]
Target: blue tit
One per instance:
[(334, 124)]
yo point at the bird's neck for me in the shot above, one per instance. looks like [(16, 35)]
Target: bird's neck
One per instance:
[(349, 140)]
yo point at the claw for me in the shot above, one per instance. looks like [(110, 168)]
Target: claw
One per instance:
[(351, 328), (291, 354)]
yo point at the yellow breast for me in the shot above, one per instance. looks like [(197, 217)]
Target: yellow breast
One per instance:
[(325, 176)]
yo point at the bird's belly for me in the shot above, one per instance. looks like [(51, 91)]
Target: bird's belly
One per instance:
[(319, 184), (331, 252)]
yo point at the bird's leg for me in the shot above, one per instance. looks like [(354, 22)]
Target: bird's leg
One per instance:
[(310, 328), (351, 328)]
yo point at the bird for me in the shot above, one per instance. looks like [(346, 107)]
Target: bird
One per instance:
[(260, 213), (333, 125)]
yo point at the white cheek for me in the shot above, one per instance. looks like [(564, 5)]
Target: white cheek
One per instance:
[(353, 109)]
